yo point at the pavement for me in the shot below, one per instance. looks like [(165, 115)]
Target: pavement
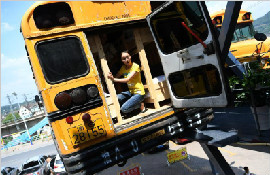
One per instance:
[(251, 151), (242, 120), (237, 156), (25, 148)]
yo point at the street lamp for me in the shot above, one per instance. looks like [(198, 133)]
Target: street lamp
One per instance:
[(27, 130)]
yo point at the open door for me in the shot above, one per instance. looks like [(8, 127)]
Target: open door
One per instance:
[(189, 54)]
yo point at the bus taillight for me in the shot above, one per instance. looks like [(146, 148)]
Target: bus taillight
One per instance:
[(92, 91), (246, 16), (69, 119), (62, 100), (78, 96), (218, 20)]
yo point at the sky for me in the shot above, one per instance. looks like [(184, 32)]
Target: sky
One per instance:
[(16, 75)]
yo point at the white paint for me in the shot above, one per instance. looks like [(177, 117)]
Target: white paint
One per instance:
[(64, 144)]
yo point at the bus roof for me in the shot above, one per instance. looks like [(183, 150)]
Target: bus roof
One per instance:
[(239, 20), (88, 14)]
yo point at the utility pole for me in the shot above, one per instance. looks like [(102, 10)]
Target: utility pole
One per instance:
[(25, 99), (14, 93), (11, 110)]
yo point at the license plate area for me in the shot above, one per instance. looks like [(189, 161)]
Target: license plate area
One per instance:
[(85, 132)]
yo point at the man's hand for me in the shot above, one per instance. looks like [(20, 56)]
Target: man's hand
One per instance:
[(110, 76)]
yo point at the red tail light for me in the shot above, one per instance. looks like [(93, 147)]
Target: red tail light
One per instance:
[(69, 119), (55, 166), (62, 100)]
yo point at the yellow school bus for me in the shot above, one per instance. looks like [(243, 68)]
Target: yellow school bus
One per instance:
[(73, 45), (244, 46)]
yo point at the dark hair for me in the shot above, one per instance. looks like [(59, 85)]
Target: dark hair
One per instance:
[(125, 51)]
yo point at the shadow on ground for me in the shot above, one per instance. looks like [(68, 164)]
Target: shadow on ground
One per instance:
[(156, 164), (258, 148)]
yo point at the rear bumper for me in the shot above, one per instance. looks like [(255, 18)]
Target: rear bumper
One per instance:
[(113, 151)]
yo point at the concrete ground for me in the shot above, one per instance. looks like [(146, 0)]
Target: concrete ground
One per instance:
[(257, 158), (26, 147)]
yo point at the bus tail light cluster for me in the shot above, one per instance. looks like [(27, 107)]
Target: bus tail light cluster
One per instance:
[(76, 97), (217, 20), (246, 16)]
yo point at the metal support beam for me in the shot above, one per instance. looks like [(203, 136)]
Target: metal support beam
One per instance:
[(226, 34), (228, 26), (218, 163)]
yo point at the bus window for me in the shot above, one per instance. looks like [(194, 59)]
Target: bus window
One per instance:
[(51, 15), (172, 36), (196, 82), (243, 32), (62, 59)]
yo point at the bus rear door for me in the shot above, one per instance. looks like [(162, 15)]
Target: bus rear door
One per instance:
[(189, 53)]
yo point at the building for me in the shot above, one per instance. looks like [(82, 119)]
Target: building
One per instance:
[(25, 113)]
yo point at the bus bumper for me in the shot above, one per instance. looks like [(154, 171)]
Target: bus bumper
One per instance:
[(121, 148)]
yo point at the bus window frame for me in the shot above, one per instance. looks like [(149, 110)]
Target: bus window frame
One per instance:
[(240, 27), (69, 78), (156, 34)]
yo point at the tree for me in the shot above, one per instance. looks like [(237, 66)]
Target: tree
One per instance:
[(9, 118)]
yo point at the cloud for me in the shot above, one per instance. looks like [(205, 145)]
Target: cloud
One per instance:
[(11, 63), (214, 6), (6, 27), (16, 76)]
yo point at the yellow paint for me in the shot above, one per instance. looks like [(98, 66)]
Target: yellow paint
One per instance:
[(229, 152), (86, 14), (177, 155), (185, 165), (239, 19), (89, 14), (153, 136), (244, 50), (145, 123)]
